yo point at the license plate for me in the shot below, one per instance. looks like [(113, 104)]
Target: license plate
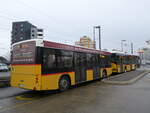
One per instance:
[(21, 85)]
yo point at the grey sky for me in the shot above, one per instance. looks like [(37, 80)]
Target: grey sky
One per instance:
[(68, 20)]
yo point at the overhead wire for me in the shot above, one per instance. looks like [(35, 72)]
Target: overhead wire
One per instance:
[(4, 27), (42, 12), (5, 17)]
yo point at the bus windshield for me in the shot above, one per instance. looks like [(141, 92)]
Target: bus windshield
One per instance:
[(24, 53)]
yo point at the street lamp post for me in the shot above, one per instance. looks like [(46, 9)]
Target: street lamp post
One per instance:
[(97, 27), (94, 38), (132, 51), (122, 44)]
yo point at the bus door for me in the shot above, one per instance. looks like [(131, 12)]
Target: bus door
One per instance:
[(80, 67), (121, 64), (96, 70)]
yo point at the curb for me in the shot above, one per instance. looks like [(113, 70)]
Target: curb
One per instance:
[(125, 82)]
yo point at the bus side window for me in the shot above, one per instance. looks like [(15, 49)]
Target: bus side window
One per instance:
[(89, 61), (59, 61), (108, 61), (67, 61), (101, 61), (51, 61), (93, 60)]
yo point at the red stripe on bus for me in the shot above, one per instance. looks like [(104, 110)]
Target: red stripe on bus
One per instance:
[(56, 73), (24, 64)]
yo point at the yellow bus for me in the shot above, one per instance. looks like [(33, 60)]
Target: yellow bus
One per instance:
[(44, 65), (118, 65), (124, 62), (133, 61)]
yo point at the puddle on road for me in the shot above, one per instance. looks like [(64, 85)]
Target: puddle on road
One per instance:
[(34, 95), (23, 97)]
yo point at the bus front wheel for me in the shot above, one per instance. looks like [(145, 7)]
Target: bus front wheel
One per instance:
[(104, 74), (64, 83), (125, 70)]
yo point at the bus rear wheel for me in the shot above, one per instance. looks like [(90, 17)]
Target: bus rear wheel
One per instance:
[(64, 83)]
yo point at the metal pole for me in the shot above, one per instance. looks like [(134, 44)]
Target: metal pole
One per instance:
[(98, 27), (121, 45), (94, 38), (99, 37), (131, 48)]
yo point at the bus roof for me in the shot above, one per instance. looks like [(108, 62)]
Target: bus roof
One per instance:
[(39, 42), (49, 44), (119, 54), (123, 54)]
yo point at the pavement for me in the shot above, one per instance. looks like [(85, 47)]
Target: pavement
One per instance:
[(126, 78)]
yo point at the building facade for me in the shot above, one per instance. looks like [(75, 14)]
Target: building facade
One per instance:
[(85, 42), (144, 53), (23, 31)]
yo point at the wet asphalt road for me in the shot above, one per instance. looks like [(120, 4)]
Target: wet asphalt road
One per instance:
[(6, 92), (95, 97)]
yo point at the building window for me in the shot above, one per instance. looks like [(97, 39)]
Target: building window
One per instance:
[(21, 25), (15, 33), (40, 34), (21, 38), (40, 30)]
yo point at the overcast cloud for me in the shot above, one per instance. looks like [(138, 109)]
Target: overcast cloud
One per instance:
[(67, 20)]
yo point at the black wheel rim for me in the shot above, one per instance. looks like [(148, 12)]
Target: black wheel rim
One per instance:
[(64, 84), (104, 74)]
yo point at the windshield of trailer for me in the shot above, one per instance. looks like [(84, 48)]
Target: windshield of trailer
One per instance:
[(23, 53)]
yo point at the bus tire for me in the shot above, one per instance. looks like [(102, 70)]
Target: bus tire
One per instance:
[(135, 67), (125, 70), (64, 83), (104, 74)]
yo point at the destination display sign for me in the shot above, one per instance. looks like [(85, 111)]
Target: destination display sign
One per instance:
[(24, 53)]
